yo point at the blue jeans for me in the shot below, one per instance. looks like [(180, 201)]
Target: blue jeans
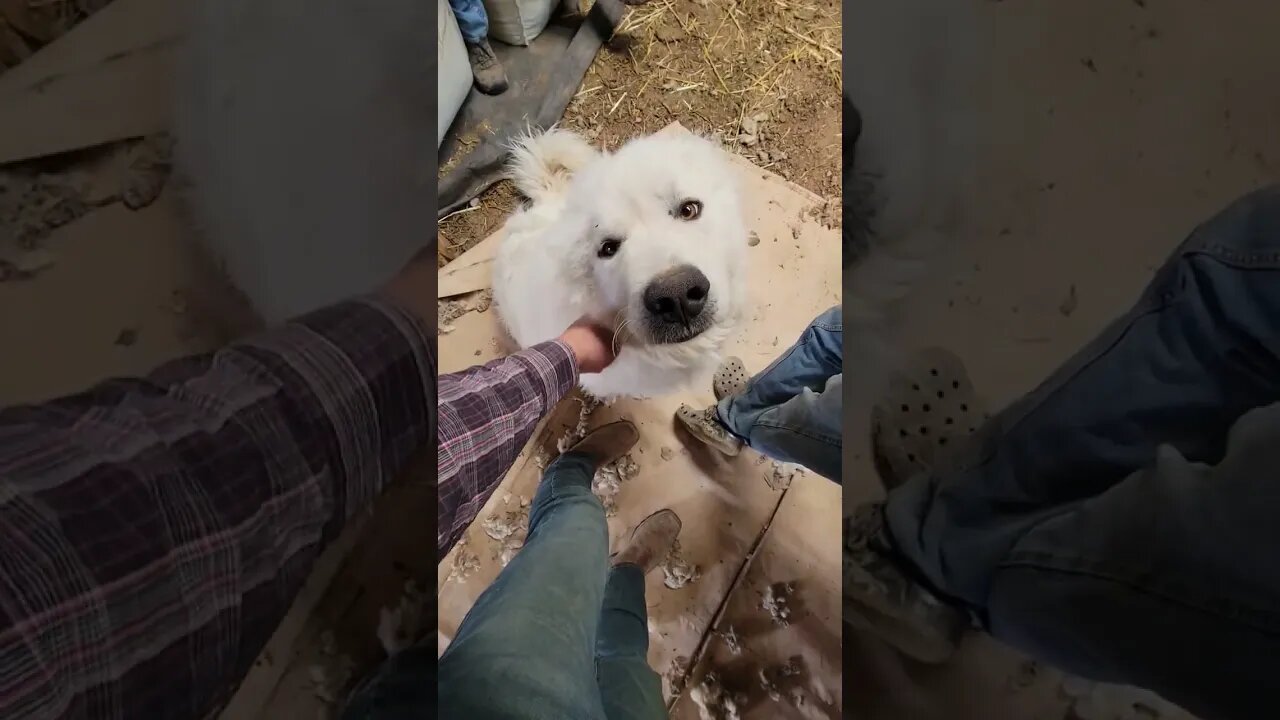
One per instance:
[(1122, 521), (559, 635), (472, 19), (790, 411)]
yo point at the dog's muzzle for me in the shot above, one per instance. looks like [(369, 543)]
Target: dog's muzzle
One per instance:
[(677, 305)]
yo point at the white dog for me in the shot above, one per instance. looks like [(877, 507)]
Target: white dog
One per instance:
[(649, 240)]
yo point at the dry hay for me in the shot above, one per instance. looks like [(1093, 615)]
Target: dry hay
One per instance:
[(761, 76), (730, 69), (467, 226)]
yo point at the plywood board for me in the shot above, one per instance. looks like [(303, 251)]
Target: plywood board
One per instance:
[(120, 27), (794, 274), (108, 79)]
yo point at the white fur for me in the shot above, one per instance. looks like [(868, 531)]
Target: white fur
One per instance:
[(547, 273)]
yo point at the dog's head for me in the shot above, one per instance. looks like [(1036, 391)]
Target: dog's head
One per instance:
[(662, 235)]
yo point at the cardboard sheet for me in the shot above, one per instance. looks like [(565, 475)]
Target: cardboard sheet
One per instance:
[(469, 272), (726, 504), (776, 647)]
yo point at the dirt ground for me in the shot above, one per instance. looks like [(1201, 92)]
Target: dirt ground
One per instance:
[(762, 77)]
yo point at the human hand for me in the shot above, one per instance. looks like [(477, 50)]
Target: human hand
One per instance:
[(591, 344)]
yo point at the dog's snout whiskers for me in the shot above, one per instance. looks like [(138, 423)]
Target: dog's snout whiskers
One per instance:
[(621, 326)]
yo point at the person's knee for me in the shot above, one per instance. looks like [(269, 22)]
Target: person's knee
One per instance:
[(830, 319), (577, 507), (577, 515), (1265, 202), (1247, 232), (824, 335)]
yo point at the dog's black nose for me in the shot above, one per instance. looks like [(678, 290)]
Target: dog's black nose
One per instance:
[(677, 296)]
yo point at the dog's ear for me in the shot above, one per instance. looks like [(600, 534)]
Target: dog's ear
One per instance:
[(542, 164)]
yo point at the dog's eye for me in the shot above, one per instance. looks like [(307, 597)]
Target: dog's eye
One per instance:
[(609, 248), (689, 210)]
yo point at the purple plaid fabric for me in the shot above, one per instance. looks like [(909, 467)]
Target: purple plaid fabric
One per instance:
[(487, 414), (153, 532)]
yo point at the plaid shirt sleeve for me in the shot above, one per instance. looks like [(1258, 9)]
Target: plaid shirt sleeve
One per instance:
[(153, 532), (487, 414)]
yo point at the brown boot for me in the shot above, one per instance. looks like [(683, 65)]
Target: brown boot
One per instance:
[(607, 442), (490, 78), (650, 542)]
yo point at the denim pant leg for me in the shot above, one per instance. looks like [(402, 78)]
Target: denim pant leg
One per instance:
[(629, 688), (527, 648), (1199, 350), (472, 19), (1169, 580), (790, 411)]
